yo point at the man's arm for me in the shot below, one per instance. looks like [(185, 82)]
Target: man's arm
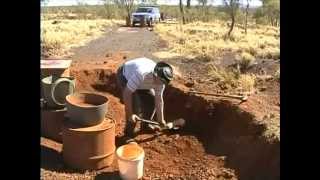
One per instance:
[(127, 98), (159, 106)]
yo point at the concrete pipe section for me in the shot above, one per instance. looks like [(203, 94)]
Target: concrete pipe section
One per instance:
[(51, 122), (86, 109), (89, 148)]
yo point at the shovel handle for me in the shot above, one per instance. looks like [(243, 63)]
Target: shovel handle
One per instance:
[(137, 118)]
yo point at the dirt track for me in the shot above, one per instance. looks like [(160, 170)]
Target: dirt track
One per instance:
[(221, 141), (136, 42)]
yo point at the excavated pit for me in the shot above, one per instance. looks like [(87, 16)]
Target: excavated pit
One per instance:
[(215, 131)]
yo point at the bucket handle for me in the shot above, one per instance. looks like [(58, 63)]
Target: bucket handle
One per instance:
[(55, 84)]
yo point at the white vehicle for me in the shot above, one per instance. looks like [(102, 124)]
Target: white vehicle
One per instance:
[(148, 14)]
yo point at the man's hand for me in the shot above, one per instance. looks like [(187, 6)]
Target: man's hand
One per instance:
[(131, 120), (162, 123), (155, 127), (163, 126), (169, 125)]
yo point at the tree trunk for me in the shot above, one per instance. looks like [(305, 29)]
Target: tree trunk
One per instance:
[(232, 24), (188, 4), (206, 14), (128, 20), (246, 18), (182, 12), (128, 6)]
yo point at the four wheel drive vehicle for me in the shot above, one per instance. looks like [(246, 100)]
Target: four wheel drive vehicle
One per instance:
[(146, 14)]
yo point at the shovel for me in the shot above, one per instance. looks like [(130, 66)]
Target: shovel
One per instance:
[(176, 124)]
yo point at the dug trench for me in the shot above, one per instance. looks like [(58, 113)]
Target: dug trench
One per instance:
[(219, 141)]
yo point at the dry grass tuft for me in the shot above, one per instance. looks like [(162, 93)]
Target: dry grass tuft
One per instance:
[(245, 60), (247, 82), (58, 36), (207, 40), (277, 74), (231, 80)]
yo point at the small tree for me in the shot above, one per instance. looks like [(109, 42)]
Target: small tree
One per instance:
[(246, 17), (182, 11), (269, 12), (271, 9), (205, 8), (127, 5), (231, 7), (203, 3), (81, 9), (108, 8), (188, 4)]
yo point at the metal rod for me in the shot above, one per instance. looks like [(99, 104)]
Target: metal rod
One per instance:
[(222, 95)]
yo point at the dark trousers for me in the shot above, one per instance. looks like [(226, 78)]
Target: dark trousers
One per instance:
[(143, 102)]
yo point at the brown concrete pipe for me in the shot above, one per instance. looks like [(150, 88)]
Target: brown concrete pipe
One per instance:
[(51, 123), (88, 148)]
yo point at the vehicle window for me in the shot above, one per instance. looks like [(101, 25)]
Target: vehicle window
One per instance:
[(144, 10)]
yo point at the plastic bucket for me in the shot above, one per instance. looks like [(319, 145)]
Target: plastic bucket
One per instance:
[(130, 161)]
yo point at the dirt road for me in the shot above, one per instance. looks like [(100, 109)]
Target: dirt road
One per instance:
[(136, 42)]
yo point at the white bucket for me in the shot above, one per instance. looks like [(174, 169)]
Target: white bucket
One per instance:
[(131, 168)]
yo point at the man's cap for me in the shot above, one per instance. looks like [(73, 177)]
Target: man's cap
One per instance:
[(164, 71)]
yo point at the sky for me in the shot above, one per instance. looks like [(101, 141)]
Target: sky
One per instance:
[(167, 2)]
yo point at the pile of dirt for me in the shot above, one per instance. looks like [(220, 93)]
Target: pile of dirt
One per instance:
[(173, 156), (220, 141)]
